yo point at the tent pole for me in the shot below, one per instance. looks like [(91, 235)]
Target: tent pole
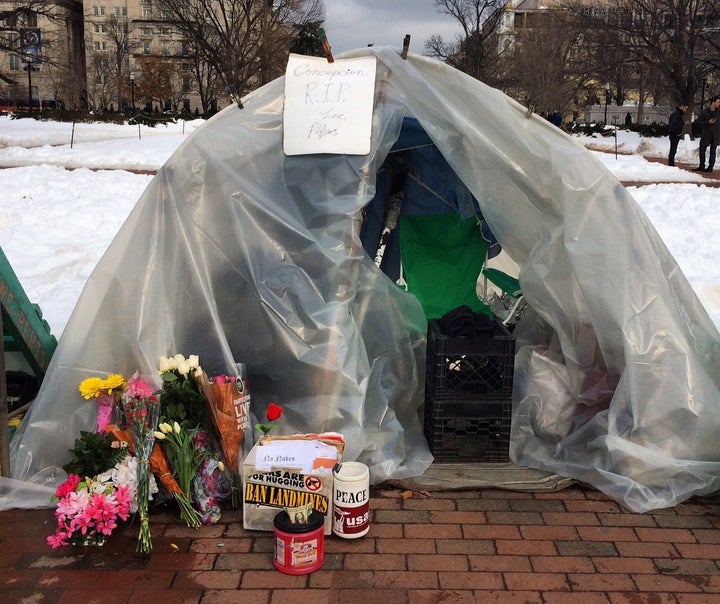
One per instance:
[(393, 203)]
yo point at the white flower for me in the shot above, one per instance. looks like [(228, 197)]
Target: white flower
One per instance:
[(183, 368), (125, 473), (179, 358), (164, 365), (194, 361), (99, 484), (176, 427), (159, 435), (106, 476)]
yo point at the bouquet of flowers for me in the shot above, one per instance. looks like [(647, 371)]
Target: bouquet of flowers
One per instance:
[(142, 409), (160, 467), (182, 399), (229, 402), (89, 509), (187, 420), (184, 461), (212, 483), (105, 392)]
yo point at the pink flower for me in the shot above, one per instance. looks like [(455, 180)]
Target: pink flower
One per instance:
[(68, 506), (124, 501), (106, 527), (57, 540), (137, 388), (83, 522)]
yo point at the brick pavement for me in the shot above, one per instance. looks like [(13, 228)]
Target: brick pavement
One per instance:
[(574, 546)]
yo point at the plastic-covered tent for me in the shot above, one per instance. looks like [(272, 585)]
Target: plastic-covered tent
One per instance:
[(242, 254)]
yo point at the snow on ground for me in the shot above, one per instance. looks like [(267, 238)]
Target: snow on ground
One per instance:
[(62, 204)]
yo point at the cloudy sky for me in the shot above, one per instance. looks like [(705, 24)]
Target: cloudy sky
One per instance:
[(353, 24)]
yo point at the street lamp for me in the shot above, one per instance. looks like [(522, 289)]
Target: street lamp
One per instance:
[(132, 89), (607, 99)]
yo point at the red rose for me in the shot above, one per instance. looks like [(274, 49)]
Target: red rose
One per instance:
[(274, 412), (68, 486)]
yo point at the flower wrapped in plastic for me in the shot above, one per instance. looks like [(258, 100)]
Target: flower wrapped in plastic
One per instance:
[(182, 400), (229, 402), (185, 460), (160, 467), (105, 391), (141, 407), (211, 484)]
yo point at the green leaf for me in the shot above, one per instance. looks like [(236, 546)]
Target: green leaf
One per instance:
[(93, 454)]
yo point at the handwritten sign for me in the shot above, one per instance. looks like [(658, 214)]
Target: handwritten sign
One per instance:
[(328, 106), (304, 455)]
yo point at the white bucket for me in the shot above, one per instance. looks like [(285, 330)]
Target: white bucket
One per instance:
[(351, 500)]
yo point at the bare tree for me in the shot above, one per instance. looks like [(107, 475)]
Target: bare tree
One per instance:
[(245, 42), (475, 50), (119, 35), (206, 78), (100, 89), (109, 60), (665, 36), (547, 67), (155, 81)]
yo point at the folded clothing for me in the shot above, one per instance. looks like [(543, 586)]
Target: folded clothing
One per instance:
[(464, 321)]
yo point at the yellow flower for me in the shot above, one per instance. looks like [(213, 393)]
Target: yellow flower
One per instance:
[(114, 381), (159, 435), (93, 387)]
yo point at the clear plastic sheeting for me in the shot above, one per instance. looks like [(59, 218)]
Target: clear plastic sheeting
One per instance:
[(238, 253)]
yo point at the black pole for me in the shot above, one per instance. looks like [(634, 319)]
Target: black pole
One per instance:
[(606, 104), (4, 431), (29, 68), (702, 94)]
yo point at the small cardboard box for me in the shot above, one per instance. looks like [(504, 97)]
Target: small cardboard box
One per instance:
[(268, 487)]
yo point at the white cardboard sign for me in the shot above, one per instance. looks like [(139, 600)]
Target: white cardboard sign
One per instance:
[(328, 106), (298, 454)]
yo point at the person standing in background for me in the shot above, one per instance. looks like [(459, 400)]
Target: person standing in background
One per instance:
[(675, 127), (710, 134)]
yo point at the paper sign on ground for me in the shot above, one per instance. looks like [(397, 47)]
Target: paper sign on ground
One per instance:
[(328, 106)]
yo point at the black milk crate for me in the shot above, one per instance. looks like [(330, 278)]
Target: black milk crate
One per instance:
[(467, 368), (468, 431)]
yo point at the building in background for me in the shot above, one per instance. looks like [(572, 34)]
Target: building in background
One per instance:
[(46, 65), (101, 55)]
